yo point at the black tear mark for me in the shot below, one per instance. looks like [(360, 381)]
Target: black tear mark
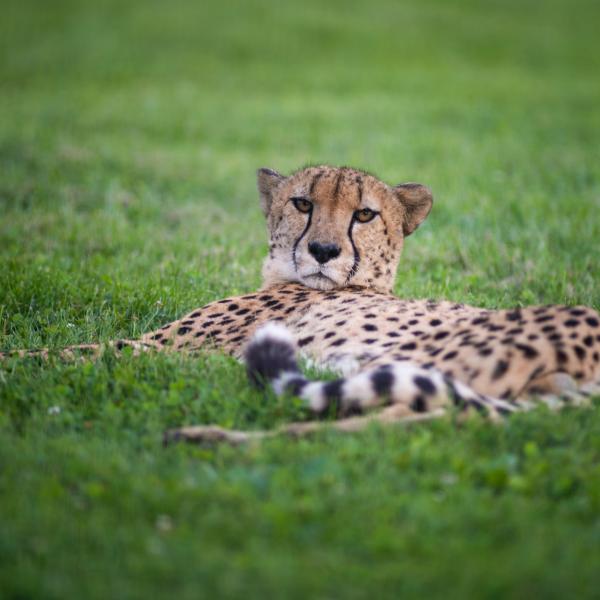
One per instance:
[(356, 263)]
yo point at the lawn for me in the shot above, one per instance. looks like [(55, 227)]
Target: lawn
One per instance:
[(129, 137)]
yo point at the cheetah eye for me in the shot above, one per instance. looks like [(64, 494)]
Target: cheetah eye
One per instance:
[(302, 204), (365, 215)]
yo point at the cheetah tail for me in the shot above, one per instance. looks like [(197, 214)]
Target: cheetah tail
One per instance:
[(271, 360), (81, 352)]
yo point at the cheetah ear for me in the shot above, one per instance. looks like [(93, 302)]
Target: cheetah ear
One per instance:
[(416, 200), (267, 180)]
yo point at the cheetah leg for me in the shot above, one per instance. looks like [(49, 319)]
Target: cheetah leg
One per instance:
[(557, 390), (551, 383), (211, 435)]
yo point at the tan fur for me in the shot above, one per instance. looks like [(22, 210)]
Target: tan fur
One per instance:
[(343, 317)]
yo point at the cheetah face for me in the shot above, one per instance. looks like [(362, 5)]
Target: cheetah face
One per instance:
[(333, 227)]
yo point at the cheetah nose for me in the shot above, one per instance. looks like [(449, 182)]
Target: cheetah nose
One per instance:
[(324, 252)]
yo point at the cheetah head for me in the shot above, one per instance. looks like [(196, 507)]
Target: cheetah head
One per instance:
[(333, 227)]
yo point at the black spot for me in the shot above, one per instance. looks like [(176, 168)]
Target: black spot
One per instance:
[(328, 335), (370, 340), (419, 404), (340, 323), (528, 351), (295, 386), (382, 380), (338, 342), (271, 303), (332, 390), (485, 351), (393, 334), (233, 306), (183, 330), (592, 321), (370, 327), (580, 351), (156, 336), (500, 369), (435, 322), (413, 321), (242, 311), (120, 344), (306, 340), (543, 318), (588, 341), (188, 322), (571, 323), (450, 355), (513, 315), (196, 314), (440, 335), (480, 320), (369, 316), (424, 384), (561, 356), (408, 346), (577, 312)]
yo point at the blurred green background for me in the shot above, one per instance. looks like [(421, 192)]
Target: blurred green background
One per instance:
[(130, 133)]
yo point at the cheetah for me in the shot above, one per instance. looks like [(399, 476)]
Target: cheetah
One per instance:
[(335, 240)]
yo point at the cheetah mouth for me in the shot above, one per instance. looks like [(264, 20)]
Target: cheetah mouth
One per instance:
[(319, 280)]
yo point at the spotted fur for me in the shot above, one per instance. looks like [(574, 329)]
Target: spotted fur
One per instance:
[(335, 239)]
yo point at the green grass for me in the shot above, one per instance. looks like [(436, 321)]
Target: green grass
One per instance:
[(129, 137)]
